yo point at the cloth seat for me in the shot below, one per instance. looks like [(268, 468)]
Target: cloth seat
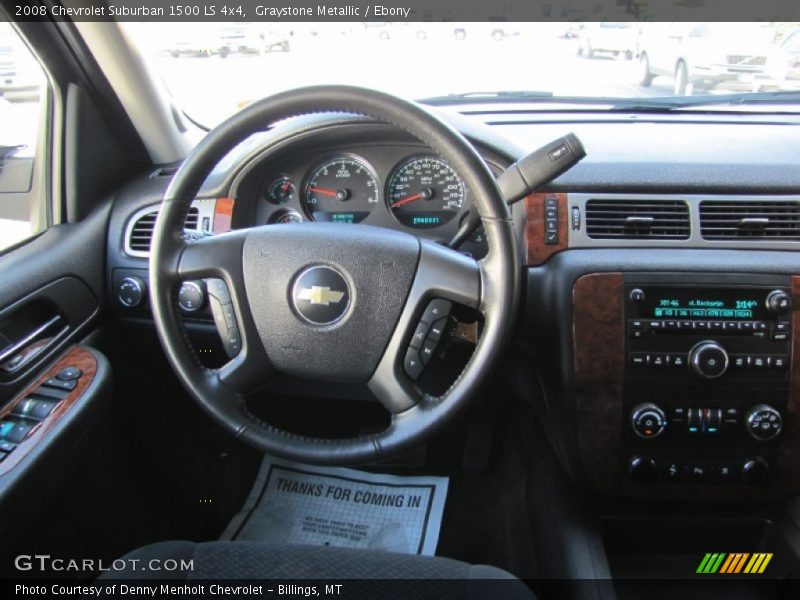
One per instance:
[(418, 576)]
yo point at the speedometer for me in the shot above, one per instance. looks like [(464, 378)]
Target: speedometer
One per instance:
[(425, 192), (341, 190)]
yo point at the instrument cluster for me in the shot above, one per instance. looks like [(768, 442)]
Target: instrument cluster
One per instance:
[(394, 186)]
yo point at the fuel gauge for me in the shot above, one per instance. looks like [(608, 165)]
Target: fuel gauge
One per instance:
[(281, 191)]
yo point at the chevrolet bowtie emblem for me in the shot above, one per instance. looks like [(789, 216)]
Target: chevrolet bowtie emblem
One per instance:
[(320, 295)]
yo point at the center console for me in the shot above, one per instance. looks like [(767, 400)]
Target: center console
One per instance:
[(706, 381), (685, 381)]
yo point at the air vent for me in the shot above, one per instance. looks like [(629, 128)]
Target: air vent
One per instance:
[(140, 234), (750, 220), (164, 172), (192, 219), (637, 219)]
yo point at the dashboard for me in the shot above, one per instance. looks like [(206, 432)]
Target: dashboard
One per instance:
[(649, 265)]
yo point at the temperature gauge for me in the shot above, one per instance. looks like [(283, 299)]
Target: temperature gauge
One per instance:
[(281, 190)]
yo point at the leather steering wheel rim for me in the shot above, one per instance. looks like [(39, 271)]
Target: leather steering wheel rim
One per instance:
[(490, 285)]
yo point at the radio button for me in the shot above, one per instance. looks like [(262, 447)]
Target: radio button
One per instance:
[(778, 302), (685, 325), (655, 325), (639, 359), (781, 326), (746, 326), (659, 360), (701, 325), (637, 325), (637, 295), (780, 336), (731, 326), (759, 326), (740, 361), (678, 361), (779, 362), (708, 360), (757, 362)]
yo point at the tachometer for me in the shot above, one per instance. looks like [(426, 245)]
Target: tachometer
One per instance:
[(425, 192), (341, 190)]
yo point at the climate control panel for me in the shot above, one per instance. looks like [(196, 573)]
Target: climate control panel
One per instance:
[(762, 422)]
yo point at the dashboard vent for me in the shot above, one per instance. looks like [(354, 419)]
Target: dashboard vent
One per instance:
[(141, 233), (637, 219), (751, 220)]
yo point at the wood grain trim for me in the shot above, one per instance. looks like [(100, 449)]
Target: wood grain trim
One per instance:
[(598, 338), (223, 214), (599, 355), (74, 357), (538, 251), (789, 454)]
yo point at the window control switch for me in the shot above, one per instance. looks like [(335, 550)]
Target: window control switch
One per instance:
[(17, 432), (51, 393), (61, 384), (34, 409)]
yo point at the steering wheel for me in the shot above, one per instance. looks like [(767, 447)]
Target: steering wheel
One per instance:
[(333, 302)]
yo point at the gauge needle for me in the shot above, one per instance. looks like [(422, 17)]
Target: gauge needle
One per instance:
[(408, 200), (323, 191)]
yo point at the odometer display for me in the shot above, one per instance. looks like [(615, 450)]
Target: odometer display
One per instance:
[(341, 190), (425, 192)]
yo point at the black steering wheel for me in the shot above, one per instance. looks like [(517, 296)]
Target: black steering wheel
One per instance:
[(333, 302)]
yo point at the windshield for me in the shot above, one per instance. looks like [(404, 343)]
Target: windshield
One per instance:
[(213, 70)]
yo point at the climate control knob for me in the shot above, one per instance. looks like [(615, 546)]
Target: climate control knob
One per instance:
[(648, 420), (763, 422), (755, 470), (642, 468), (709, 360)]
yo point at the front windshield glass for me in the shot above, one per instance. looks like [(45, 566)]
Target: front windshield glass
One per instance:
[(212, 70)]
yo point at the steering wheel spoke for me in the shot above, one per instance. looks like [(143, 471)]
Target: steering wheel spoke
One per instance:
[(443, 276), (218, 256), (218, 261)]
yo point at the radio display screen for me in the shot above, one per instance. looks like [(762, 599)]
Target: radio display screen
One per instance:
[(708, 304)]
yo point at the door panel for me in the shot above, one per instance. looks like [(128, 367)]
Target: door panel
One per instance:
[(57, 274)]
